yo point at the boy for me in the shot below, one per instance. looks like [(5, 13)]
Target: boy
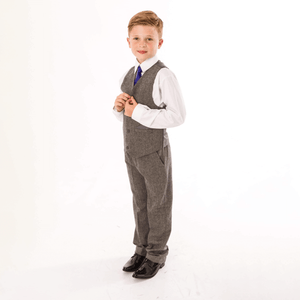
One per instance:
[(150, 102)]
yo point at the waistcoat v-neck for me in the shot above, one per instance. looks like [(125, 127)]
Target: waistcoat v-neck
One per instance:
[(140, 140)]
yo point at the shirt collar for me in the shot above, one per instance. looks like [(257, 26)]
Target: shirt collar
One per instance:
[(147, 64)]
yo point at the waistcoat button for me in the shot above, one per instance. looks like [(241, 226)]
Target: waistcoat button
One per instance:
[(127, 147), (128, 130)]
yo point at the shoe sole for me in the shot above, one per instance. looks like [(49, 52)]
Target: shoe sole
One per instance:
[(130, 271)]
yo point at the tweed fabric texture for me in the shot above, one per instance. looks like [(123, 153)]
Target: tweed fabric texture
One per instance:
[(150, 179), (140, 140)]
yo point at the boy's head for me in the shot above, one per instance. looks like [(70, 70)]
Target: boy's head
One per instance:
[(145, 35)]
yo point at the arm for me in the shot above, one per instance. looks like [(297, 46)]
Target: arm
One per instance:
[(118, 115), (166, 91), (120, 102), (118, 109)]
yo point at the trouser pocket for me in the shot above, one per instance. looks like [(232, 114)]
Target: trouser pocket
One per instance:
[(161, 156)]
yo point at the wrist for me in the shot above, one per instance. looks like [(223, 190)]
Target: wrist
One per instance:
[(115, 109)]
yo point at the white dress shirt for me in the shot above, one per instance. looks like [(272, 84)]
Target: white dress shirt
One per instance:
[(166, 92)]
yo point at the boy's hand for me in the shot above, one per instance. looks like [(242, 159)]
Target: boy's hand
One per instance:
[(130, 106), (120, 101)]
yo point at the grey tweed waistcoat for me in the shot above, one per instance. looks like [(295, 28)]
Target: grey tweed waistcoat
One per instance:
[(140, 140)]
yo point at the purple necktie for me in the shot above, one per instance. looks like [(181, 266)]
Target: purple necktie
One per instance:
[(138, 75)]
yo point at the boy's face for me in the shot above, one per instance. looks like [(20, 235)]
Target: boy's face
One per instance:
[(144, 42)]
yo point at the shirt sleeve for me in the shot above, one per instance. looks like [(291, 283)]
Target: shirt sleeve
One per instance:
[(119, 115), (170, 97)]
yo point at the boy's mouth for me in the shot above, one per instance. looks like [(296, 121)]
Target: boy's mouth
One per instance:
[(142, 52)]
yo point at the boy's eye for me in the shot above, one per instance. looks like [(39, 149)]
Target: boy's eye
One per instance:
[(149, 39), (135, 38)]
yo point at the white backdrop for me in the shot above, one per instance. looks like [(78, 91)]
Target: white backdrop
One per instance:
[(64, 184)]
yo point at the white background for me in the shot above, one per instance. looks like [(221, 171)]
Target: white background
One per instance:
[(66, 219)]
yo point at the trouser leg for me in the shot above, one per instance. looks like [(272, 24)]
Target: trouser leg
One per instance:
[(156, 169), (139, 194)]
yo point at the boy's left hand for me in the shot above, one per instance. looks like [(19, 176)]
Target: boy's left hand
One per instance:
[(130, 106)]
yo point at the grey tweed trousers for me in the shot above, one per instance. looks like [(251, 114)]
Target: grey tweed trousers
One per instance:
[(150, 179)]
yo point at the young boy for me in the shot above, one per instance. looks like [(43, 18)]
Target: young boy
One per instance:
[(150, 102)]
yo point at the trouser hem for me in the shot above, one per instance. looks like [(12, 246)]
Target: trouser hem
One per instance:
[(156, 258)]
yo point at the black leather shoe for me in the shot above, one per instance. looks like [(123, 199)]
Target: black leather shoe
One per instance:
[(148, 269), (134, 263)]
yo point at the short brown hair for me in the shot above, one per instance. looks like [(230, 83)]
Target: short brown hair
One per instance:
[(146, 17)]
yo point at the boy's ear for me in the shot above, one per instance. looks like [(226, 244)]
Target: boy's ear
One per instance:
[(128, 40), (160, 43)]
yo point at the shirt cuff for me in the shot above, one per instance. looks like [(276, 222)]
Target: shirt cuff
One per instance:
[(119, 115), (138, 113), (144, 115)]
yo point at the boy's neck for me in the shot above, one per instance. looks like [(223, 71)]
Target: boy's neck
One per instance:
[(150, 58), (148, 63)]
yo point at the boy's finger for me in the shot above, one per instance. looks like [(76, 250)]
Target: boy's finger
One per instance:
[(124, 98)]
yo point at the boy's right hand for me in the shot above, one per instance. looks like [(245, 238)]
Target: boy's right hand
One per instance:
[(120, 101)]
